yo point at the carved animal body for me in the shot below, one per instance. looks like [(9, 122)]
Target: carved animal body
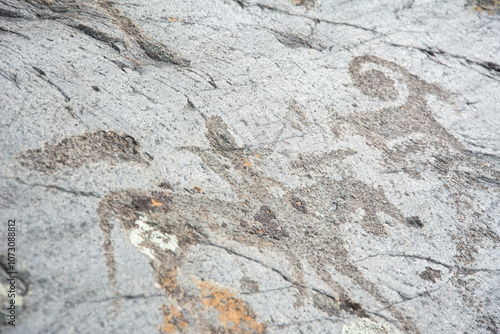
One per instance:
[(400, 130), (301, 224)]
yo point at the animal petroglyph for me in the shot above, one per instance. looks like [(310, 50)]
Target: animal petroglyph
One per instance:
[(302, 225), (412, 141), (403, 130)]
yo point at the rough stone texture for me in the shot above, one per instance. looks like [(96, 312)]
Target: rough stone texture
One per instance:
[(251, 166)]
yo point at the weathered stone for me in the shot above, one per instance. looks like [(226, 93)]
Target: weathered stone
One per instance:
[(251, 166)]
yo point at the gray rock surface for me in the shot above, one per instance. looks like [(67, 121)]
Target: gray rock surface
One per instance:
[(251, 166)]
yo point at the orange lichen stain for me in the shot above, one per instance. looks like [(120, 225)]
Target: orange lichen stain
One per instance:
[(246, 162), (169, 282), (257, 155), (173, 320), (233, 312), (173, 19), (155, 202)]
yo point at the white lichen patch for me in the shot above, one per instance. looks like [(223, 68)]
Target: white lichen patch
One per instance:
[(160, 241), (367, 326), (164, 241)]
